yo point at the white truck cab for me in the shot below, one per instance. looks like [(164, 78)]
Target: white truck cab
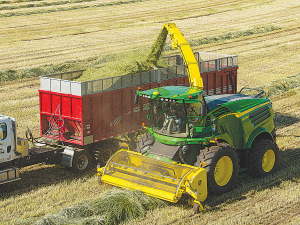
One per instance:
[(7, 138), (14, 153), (8, 150)]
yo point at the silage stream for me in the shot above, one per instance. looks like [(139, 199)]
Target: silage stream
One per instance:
[(136, 62)]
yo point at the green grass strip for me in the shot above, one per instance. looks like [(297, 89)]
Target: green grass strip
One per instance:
[(11, 14), (43, 4), (282, 85), (18, 1), (11, 74)]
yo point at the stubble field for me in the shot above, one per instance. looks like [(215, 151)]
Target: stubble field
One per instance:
[(49, 36)]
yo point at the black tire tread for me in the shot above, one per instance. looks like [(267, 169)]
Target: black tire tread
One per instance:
[(211, 156), (77, 154), (255, 158), (146, 141)]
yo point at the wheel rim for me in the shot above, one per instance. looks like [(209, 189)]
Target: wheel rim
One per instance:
[(268, 160), (82, 162), (223, 171)]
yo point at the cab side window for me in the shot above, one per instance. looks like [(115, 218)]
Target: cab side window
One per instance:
[(4, 129)]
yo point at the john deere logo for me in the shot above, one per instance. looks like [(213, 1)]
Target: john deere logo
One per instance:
[(165, 140)]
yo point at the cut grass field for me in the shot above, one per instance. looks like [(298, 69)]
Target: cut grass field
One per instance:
[(59, 36)]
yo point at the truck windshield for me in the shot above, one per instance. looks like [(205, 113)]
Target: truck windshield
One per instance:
[(169, 118)]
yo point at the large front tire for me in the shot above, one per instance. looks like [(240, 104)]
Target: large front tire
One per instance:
[(145, 143), (222, 167), (263, 158)]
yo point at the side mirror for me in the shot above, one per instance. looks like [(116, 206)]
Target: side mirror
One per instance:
[(1, 134), (136, 99)]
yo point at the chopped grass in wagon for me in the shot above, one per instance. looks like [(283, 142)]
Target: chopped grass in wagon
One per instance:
[(133, 62)]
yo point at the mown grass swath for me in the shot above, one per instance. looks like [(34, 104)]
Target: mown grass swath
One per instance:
[(18, 1), (282, 85), (41, 4), (111, 207), (42, 11), (11, 74), (232, 35)]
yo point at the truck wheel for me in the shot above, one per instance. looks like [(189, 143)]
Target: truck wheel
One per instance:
[(145, 143), (222, 167), (81, 161), (263, 158)]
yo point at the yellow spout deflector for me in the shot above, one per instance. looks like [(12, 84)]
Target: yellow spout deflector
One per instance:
[(160, 179)]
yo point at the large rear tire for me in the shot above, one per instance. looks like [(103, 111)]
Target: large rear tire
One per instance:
[(263, 158), (222, 167), (145, 143)]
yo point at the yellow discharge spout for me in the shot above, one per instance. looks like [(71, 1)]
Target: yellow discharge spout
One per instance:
[(187, 55)]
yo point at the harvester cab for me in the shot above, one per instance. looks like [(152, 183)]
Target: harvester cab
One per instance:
[(196, 145)]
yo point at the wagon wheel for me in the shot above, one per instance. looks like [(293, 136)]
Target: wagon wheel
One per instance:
[(81, 162)]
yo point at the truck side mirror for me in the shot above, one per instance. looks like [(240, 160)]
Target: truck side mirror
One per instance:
[(136, 99), (1, 134)]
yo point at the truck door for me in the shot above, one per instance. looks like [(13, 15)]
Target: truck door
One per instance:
[(6, 142)]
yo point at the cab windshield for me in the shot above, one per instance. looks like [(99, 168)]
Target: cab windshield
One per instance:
[(174, 119)]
